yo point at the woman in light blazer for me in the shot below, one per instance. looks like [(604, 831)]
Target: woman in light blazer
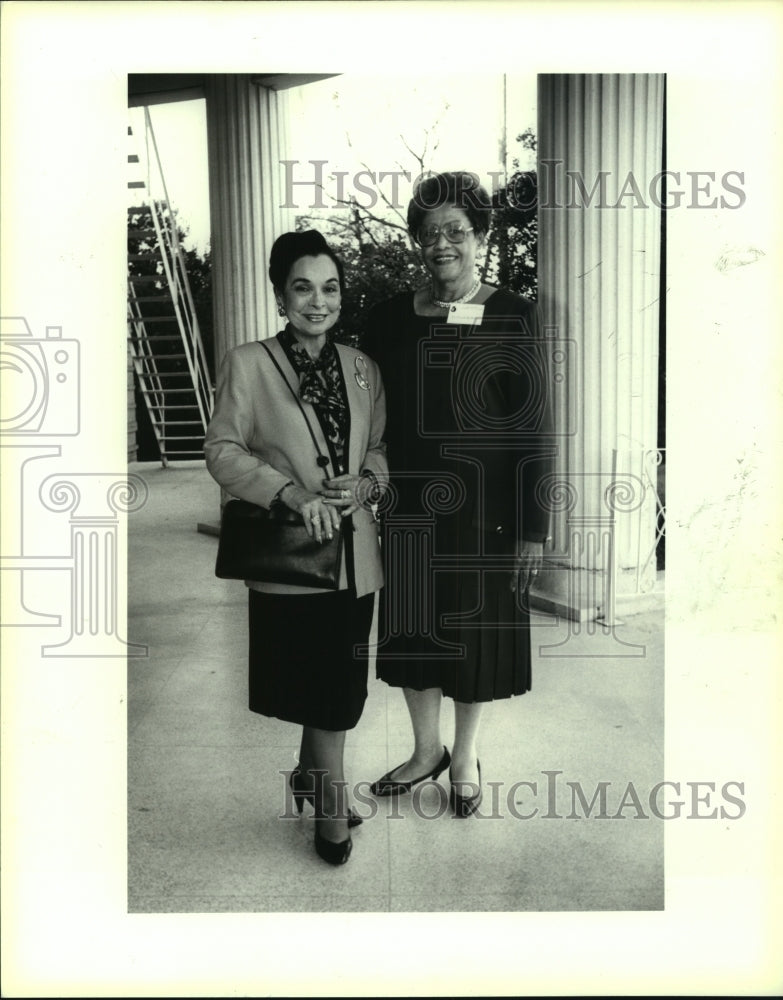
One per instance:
[(305, 661)]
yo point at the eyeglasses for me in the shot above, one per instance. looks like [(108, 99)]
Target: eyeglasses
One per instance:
[(454, 232)]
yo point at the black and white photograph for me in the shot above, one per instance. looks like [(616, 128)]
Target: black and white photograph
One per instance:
[(387, 584), (491, 411)]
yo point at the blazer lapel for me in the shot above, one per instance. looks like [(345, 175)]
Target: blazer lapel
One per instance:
[(292, 378), (358, 400)]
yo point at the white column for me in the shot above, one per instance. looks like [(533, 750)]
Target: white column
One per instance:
[(247, 139), (600, 157)]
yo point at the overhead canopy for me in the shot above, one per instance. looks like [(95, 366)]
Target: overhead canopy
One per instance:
[(164, 88)]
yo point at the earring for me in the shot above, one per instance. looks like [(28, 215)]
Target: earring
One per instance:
[(280, 310)]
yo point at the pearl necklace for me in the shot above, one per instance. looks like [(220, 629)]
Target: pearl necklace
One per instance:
[(464, 298)]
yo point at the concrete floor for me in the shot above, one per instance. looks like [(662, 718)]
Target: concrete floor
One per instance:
[(203, 772)]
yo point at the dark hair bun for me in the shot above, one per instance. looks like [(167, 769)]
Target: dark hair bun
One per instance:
[(288, 248)]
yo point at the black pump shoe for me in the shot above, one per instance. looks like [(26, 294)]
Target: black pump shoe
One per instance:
[(301, 796), (331, 852), (465, 805), (388, 786)]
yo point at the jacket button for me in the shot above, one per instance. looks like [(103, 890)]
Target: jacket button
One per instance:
[(499, 529)]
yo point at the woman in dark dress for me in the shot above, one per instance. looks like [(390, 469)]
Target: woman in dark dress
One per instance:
[(468, 445), (305, 660)]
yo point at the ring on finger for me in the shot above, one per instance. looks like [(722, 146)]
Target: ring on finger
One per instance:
[(345, 494)]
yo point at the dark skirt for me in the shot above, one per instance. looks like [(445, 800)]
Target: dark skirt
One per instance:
[(470, 636), (303, 667)]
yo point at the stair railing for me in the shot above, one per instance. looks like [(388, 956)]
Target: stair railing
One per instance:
[(175, 270)]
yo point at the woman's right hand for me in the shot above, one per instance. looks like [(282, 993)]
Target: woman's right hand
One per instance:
[(321, 520)]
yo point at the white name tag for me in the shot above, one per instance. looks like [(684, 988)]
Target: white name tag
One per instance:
[(466, 313)]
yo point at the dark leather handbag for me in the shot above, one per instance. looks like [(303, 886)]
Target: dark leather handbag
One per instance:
[(272, 545)]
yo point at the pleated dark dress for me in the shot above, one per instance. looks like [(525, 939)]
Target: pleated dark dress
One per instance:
[(469, 446)]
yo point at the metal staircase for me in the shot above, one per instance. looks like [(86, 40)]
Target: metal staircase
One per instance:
[(164, 341)]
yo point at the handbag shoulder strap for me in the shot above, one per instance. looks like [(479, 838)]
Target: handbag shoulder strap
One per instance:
[(322, 460)]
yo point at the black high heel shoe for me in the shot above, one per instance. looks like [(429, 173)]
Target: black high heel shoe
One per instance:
[(331, 852), (301, 795), (465, 805), (388, 786)]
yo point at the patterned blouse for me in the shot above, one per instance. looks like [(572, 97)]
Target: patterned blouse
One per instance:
[(321, 384)]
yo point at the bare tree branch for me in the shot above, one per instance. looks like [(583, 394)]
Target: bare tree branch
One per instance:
[(371, 215), (419, 158), (384, 198), (363, 219)]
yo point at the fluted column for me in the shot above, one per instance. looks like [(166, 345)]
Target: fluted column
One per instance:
[(247, 137), (600, 158)]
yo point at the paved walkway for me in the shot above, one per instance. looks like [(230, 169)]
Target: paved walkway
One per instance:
[(205, 790)]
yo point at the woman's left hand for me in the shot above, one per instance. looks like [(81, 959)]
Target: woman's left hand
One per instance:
[(347, 492), (527, 565)]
